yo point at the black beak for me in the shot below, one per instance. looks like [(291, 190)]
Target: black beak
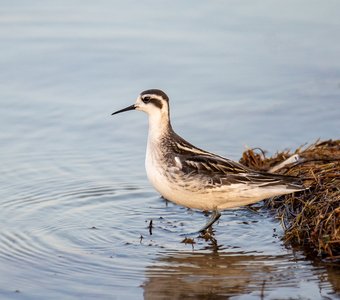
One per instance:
[(131, 107)]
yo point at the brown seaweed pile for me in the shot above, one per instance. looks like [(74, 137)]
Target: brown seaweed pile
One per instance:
[(311, 218)]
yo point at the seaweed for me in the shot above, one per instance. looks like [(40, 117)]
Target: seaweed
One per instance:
[(310, 218)]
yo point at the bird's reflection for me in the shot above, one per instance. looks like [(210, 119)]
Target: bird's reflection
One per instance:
[(207, 276), (212, 273)]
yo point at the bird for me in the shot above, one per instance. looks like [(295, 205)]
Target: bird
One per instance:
[(194, 178)]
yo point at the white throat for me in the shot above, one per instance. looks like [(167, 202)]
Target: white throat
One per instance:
[(159, 125)]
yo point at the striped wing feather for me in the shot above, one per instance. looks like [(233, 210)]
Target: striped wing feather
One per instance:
[(225, 171)]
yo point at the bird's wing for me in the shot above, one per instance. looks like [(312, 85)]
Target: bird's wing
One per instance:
[(225, 171), (212, 164)]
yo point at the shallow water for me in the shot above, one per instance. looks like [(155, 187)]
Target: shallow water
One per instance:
[(75, 202)]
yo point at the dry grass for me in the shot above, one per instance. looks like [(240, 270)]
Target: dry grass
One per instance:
[(311, 218)]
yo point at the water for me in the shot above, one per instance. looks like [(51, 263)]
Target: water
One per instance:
[(75, 201)]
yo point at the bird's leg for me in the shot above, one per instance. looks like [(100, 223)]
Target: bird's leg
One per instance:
[(213, 218)]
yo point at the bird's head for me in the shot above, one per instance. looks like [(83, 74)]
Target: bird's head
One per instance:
[(154, 102)]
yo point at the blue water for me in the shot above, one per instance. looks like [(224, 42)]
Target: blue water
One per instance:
[(75, 203)]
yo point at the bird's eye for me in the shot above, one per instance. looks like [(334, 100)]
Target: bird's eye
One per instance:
[(146, 99)]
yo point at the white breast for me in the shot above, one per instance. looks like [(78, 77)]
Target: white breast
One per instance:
[(167, 181), (153, 166)]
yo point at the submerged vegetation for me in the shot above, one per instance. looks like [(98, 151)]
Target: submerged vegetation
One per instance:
[(310, 218)]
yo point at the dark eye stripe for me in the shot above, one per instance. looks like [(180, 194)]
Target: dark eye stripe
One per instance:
[(157, 103)]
